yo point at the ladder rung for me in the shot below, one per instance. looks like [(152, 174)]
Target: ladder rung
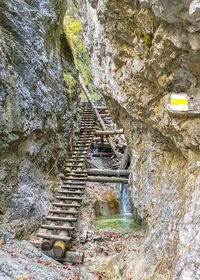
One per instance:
[(73, 187), (65, 205), (67, 212), (69, 198), (70, 192), (73, 183), (64, 219), (56, 227), (54, 237)]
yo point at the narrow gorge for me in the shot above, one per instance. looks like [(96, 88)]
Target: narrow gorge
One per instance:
[(145, 61)]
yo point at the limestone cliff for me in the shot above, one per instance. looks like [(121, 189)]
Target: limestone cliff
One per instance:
[(142, 52), (36, 109)]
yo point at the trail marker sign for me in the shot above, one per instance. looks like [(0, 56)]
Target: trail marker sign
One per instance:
[(178, 102)]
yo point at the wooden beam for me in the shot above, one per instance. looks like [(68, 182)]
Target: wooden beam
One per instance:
[(70, 256), (109, 132), (108, 172), (107, 179), (105, 115), (125, 160), (103, 126), (102, 154)]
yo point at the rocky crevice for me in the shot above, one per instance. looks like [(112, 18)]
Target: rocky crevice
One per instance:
[(142, 52), (37, 111)]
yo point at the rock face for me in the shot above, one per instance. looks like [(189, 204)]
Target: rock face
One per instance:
[(36, 110), (142, 52)]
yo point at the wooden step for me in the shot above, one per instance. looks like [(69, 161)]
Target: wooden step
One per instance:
[(54, 227), (74, 183), (78, 157), (54, 237), (82, 145), (66, 212), (65, 205), (88, 137), (80, 176), (74, 178), (73, 187), (75, 160), (77, 172), (69, 198), (70, 192), (84, 140), (63, 219), (75, 152), (80, 148), (74, 166)]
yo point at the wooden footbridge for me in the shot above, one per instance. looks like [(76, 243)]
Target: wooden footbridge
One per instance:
[(57, 231)]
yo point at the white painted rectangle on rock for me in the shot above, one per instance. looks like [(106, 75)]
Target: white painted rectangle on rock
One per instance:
[(178, 102)]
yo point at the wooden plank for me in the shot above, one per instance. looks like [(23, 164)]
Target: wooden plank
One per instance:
[(69, 198), (101, 154), (107, 179), (71, 192), (73, 187), (55, 227), (71, 257), (63, 212), (53, 237), (109, 132), (65, 205), (108, 172), (58, 218)]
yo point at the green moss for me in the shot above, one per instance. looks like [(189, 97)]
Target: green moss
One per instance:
[(152, 205), (72, 28), (117, 223), (148, 40), (71, 82)]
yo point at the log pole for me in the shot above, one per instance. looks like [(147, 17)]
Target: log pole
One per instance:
[(107, 179), (109, 132), (102, 154), (107, 172)]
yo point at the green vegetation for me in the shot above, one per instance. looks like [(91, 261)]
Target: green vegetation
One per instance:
[(147, 39), (70, 81), (152, 205), (116, 223), (72, 28)]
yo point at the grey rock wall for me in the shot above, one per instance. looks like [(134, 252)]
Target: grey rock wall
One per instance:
[(36, 110), (142, 52)]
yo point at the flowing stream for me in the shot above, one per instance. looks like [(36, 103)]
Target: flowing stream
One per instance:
[(122, 222), (124, 199)]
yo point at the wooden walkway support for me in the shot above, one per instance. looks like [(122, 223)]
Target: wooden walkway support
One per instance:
[(107, 179), (101, 154), (102, 124), (56, 233), (109, 132), (107, 172)]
